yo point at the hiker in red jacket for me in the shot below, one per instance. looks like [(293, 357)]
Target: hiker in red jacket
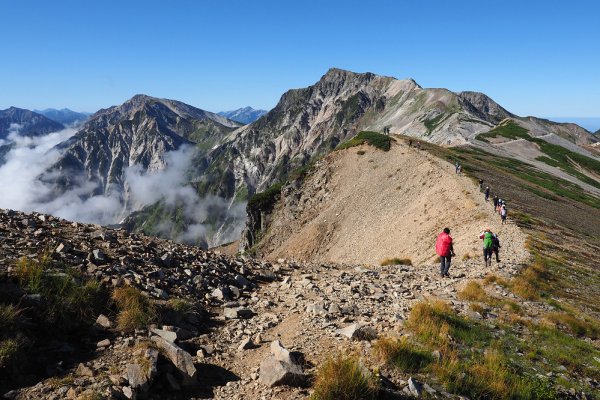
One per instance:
[(444, 249)]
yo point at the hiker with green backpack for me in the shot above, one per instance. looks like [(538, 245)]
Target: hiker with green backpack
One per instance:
[(488, 244)]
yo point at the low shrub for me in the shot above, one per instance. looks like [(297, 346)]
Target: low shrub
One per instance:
[(344, 378), (382, 142)]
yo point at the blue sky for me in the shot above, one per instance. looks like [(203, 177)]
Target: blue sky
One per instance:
[(535, 58)]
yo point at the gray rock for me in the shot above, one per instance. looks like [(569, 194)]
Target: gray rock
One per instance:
[(103, 343), (237, 313), (280, 368), (167, 335), (415, 387), (246, 344), (103, 321), (179, 357), (358, 332), (83, 370), (139, 380)]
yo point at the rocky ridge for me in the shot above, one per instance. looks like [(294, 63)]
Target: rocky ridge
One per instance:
[(29, 123)]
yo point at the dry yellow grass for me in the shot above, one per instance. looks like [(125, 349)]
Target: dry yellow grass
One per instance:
[(344, 378), (135, 309), (396, 261), (473, 292)]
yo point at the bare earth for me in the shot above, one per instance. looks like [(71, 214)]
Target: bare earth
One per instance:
[(362, 209)]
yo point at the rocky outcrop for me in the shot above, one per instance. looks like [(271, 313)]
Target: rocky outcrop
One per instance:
[(139, 132)]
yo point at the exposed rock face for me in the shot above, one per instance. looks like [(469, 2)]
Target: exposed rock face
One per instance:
[(29, 122), (138, 132), (310, 122)]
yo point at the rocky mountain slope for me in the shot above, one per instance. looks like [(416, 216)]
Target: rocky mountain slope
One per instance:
[(310, 122), (243, 115), (27, 123), (366, 205), (64, 116), (139, 132)]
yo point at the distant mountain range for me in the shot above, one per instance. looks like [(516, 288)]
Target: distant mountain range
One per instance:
[(244, 115), (64, 116), (232, 161), (26, 123)]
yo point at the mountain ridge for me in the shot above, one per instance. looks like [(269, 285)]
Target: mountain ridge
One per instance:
[(244, 115), (26, 122)]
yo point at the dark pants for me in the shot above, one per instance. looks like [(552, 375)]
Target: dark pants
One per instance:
[(445, 264), (496, 252), (487, 255)]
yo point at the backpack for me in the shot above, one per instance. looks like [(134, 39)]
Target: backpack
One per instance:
[(487, 240)]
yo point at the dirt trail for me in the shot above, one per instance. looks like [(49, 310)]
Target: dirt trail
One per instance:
[(362, 209), (372, 220)]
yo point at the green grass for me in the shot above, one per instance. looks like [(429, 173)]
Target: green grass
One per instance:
[(67, 295), (508, 129), (432, 123), (264, 201), (382, 142), (402, 354)]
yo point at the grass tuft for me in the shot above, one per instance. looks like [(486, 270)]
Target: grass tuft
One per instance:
[(401, 354), (473, 292), (344, 378), (136, 311), (396, 261)]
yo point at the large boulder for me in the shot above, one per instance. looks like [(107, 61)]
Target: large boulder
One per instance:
[(179, 357), (281, 368)]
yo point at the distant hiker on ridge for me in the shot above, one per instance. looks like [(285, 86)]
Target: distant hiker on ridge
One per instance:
[(503, 213), (444, 249), (487, 246), (487, 193), (481, 185), (495, 199)]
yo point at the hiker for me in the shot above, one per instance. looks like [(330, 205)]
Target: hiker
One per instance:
[(481, 185), (444, 249), (496, 246), (409, 142), (486, 235), (418, 146), (503, 213), (487, 193), (457, 166), (460, 170), (496, 202)]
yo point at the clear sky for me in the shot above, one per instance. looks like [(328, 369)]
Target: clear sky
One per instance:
[(534, 57)]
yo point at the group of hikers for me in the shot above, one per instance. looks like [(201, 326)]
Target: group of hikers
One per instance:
[(445, 249), (491, 242), (499, 204)]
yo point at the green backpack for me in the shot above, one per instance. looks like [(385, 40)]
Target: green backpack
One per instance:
[(487, 240)]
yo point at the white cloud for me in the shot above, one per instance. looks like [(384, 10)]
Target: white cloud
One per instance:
[(32, 156)]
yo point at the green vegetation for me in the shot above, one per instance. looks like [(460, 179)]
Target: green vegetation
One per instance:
[(396, 261), (432, 123), (568, 161), (402, 354), (67, 296), (375, 139), (508, 129), (264, 201), (135, 309), (344, 378)]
